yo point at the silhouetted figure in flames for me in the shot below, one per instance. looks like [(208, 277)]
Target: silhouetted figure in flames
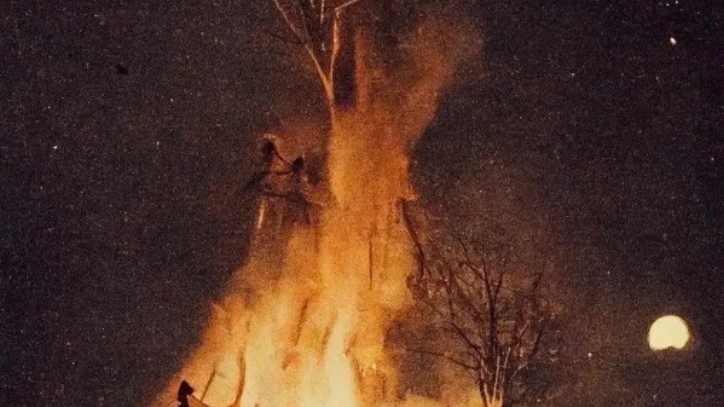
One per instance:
[(272, 164), (184, 391), (283, 185), (297, 166), (299, 191)]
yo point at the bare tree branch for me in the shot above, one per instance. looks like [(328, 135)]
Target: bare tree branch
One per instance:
[(472, 291), (345, 5), (449, 358), (316, 27)]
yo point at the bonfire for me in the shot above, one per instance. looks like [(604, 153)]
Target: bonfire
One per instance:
[(304, 322)]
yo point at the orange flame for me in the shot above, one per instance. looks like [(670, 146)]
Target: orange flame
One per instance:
[(309, 330)]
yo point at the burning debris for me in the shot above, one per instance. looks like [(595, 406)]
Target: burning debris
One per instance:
[(305, 321)]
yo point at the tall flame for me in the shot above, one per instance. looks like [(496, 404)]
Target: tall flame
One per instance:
[(304, 322)]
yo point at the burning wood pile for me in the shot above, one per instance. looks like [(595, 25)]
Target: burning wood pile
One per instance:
[(304, 322)]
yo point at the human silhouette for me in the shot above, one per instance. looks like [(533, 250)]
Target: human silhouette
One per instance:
[(297, 166), (184, 391), (272, 166)]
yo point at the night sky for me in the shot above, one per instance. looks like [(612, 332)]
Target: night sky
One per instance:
[(127, 130)]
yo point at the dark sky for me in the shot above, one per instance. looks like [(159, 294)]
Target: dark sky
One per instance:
[(127, 128)]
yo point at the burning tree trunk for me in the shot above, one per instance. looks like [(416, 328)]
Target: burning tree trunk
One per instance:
[(315, 335)]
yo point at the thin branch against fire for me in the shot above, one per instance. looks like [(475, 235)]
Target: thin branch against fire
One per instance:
[(445, 356), (324, 75), (317, 28)]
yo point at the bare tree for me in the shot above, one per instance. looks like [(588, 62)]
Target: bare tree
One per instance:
[(489, 311), (316, 25)]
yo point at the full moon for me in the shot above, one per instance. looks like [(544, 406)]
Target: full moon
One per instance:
[(668, 331)]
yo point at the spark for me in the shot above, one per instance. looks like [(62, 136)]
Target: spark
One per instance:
[(672, 41)]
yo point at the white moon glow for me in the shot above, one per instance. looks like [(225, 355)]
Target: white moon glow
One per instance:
[(668, 331)]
